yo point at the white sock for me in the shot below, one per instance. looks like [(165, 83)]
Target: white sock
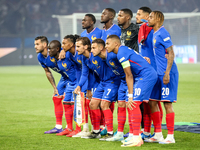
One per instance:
[(158, 134), (170, 136), (146, 133), (86, 126), (58, 126)]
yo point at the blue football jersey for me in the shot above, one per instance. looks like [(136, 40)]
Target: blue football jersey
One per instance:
[(101, 69), (68, 67), (139, 66), (162, 41), (50, 62), (94, 34), (114, 64), (146, 49), (114, 29)]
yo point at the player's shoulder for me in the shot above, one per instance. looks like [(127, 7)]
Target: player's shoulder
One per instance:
[(134, 26), (116, 27), (40, 57), (97, 29), (83, 33)]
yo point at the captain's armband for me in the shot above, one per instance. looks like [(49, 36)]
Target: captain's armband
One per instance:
[(126, 64)]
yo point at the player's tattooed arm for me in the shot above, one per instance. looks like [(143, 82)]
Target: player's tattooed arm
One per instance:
[(51, 80), (170, 60)]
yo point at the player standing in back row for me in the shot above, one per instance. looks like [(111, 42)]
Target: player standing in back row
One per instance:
[(167, 74)]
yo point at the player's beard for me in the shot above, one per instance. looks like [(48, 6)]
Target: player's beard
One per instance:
[(86, 27), (104, 21)]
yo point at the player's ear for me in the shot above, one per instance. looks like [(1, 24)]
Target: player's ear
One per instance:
[(85, 46)]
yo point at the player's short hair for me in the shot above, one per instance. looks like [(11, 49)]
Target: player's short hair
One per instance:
[(72, 38), (115, 37), (111, 11), (85, 41), (99, 41), (145, 9), (42, 38), (127, 11), (57, 44), (160, 15), (92, 17)]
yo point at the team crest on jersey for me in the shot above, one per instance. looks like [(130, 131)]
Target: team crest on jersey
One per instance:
[(113, 64), (128, 35), (154, 41), (93, 38), (64, 65), (96, 63), (52, 60), (79, 61)]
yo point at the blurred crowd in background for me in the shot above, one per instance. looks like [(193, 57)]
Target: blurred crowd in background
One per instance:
[(33, 17)]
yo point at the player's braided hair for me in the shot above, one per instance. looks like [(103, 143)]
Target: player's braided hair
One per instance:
[(159, 15), (42, 38), (72, 38), (85, 41)]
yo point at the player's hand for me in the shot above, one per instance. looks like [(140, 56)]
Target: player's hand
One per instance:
[(130, 103), (55, 92), (166, 78), (89, 94), (61, 55), (167, 56), (77, 90), (147, 59)]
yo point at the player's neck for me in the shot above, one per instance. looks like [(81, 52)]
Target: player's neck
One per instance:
[(90, 29), (44, 53), (156, 27), (57, 55), (116, 49), (72, 50), (108, 24), (103, 54), (86, 54), (126, 25)]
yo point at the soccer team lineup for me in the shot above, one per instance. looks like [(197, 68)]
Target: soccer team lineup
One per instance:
[(131, 64)]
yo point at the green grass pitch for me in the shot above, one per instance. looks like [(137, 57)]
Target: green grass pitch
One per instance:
[(26, 111)]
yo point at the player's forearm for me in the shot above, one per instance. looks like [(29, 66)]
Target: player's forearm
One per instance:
[(51, 79), (170, 59), (129, 81)]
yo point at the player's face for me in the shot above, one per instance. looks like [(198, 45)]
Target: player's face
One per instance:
[(109, 45), (52, 49), (66, 45), (39, 46), (86, 22), (141, 15), (121, 19), (105, 16), (95, 49), (152, 20), (80, 48)]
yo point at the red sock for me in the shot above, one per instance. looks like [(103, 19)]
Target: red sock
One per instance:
[(58, 109), (136, 118), (161, 111), (78, 128), (69, 109), (96, 117), (170, 122), (121, 118), (147, 117), (156, 121), (108, 119), (90, 112), (86, 109), (129, 121), (102, 121), (112, 106)]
